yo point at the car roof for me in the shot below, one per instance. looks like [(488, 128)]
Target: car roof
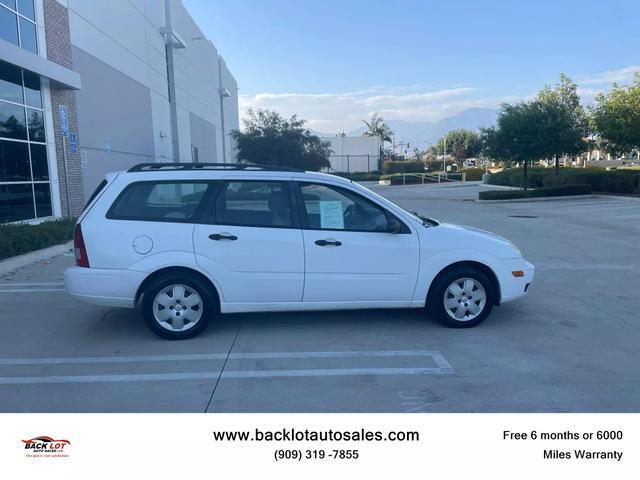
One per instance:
[(183, 171)]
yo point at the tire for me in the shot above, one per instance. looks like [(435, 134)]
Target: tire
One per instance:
[(178, 306), (462, 297)]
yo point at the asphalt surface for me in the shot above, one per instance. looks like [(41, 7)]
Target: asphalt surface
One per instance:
[(571, 345)]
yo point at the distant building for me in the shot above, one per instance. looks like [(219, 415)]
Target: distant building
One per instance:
[(140, 83), (354, 154)]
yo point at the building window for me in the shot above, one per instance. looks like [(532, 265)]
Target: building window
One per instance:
[(195, 154), (17, 24), (25, 191)]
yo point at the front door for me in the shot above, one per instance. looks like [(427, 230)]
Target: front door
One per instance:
[(350, 256), (250, 242)]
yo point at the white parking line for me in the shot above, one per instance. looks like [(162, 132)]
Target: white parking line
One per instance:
[(437, 357), (31, 290), (155, 377), (443, 367), (20, 287)]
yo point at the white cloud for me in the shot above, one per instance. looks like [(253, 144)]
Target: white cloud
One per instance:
[(622, 75), (333, 112)]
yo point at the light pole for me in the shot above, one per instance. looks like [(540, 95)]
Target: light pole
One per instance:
[(224, 93), (444, 157)]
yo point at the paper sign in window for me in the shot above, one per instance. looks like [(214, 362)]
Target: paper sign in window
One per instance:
[(331, 214)]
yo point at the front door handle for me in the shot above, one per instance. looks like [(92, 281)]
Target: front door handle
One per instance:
[(327, 242), (222, 236)]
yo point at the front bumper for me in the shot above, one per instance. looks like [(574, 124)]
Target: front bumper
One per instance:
[(512, 288), (101, 286)]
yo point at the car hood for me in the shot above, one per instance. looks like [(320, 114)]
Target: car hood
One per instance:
[(461, 236)]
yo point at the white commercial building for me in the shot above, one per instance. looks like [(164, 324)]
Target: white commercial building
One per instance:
[(354, 154), (138, 82)]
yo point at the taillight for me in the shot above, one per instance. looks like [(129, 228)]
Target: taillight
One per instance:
[(80, 251)]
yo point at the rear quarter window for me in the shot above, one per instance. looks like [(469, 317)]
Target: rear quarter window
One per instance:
[(95, 193), (163, 201)]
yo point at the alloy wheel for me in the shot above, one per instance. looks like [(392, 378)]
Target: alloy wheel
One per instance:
[(464, 299), (177, 308)]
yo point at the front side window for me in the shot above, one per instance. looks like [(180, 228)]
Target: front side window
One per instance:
[(159, 201), (334, 208), (254, 204)]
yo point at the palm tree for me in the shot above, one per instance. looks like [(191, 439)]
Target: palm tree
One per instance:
[(376, 127)]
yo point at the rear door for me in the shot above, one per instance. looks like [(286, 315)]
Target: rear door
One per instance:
[(146, 219), (250, 241), (350, 256)]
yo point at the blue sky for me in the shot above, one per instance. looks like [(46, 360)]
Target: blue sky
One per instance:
[(334, 62)]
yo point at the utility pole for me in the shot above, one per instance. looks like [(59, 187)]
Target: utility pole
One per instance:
[(223, 93), (444, 157)]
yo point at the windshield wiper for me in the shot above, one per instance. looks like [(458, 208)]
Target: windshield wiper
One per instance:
[(427, 222)]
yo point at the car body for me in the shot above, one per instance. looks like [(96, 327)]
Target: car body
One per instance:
[(248, 238)]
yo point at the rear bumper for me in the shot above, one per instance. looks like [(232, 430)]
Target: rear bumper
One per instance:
[(512, 288), (101, 286)]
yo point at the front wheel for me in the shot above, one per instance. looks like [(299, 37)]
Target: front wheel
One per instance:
[(463, 297), (177, 307)]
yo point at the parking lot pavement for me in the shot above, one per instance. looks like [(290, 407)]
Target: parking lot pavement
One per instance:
[(570, 345)]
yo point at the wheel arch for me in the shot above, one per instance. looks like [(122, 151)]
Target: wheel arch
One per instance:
[(466, 263), (176, 270)]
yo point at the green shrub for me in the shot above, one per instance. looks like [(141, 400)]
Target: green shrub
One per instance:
[(618, 181), (473, 174), (554, 191), (19, 238), (406, 166)]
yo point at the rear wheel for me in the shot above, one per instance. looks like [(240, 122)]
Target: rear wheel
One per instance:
[(177, 307), (462, 297)]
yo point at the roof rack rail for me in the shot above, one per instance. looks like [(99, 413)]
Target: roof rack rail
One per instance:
[(155, 167)]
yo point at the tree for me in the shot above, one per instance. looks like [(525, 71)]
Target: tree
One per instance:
[(270, 139), (461, 143), (520, 135), (616, 117), (376, 127), (566, 120)]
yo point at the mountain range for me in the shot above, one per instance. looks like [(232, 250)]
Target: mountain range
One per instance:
[(422, 134)]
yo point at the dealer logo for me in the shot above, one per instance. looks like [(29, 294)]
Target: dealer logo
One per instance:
[(45, 446)]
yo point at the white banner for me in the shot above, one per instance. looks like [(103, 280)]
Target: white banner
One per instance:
[(322, 446)]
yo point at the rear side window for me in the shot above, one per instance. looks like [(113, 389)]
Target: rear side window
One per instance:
[(254, 204), (159, 201)]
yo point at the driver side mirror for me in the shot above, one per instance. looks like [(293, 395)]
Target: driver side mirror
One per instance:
[(394, 226)]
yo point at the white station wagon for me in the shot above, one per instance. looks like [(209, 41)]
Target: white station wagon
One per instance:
[(190, 241)]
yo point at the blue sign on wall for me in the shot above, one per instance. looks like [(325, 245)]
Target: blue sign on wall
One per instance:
[(64, 121), (73, 141), (107, 146)]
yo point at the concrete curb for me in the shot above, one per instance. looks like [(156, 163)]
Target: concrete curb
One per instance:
[(617, 197), (499, 187), (11, 264), (539, 199)]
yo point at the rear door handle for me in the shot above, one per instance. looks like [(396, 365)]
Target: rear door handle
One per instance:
[(222, 236), (327, 242)]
